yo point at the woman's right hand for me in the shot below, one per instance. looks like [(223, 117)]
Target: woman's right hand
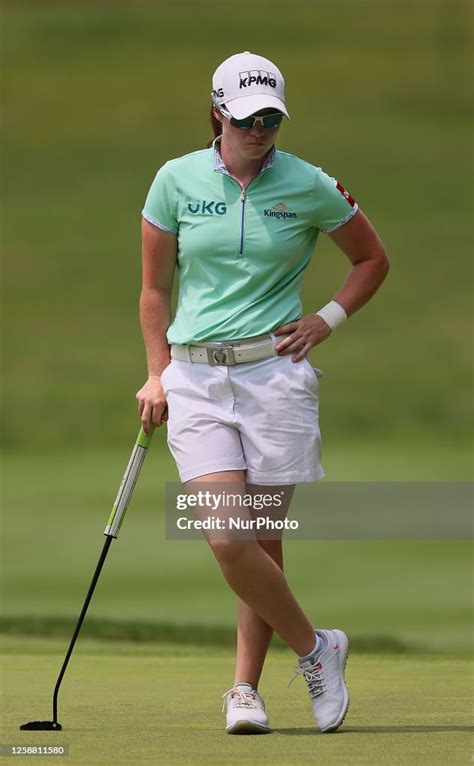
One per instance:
[(152, 406)]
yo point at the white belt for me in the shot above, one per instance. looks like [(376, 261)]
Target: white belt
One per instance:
[(228, 352)]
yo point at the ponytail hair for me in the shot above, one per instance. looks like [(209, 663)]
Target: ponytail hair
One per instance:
[(216, 126)]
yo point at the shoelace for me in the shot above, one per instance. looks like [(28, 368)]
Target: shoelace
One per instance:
[(244, 699), (313, 678)]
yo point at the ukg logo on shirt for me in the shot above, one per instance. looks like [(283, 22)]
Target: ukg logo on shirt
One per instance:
[(203, 207), (279, 211)]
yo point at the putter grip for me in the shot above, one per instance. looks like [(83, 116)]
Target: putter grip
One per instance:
[(128, 483)]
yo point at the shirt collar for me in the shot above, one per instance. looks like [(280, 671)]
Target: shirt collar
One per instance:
[(219, 165)]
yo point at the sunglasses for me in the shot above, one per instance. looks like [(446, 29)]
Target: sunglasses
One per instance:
[(267, 121)]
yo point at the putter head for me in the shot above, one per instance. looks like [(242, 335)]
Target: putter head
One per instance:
[(42, 726)]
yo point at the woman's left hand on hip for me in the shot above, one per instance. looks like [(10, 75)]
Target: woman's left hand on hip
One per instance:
[(306, 332)]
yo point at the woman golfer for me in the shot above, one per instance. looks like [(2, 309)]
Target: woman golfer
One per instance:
[(240, 221)]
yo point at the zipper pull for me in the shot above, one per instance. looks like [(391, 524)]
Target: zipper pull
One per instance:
[(243, 195)]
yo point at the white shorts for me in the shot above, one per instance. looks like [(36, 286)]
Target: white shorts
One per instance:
[(261, 417)]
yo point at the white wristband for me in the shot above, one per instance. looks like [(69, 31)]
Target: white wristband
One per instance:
[(333, 314)]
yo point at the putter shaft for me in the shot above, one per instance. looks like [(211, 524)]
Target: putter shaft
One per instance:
[(98, 569), (120, 506)]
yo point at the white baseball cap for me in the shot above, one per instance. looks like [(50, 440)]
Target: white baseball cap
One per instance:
[(246, 83)]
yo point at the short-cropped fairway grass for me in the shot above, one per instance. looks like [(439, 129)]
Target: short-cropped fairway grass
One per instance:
[(144, 703)]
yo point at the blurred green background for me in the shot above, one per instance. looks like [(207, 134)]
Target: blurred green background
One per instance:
[(97, 97)]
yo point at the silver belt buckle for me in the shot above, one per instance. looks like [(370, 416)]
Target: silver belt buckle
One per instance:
[(224, 355)]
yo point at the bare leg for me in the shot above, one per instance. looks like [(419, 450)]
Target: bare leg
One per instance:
[(254, 634), (257, 578)]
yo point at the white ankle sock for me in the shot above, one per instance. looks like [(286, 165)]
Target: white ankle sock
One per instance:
[(244, 683), (317, 647)]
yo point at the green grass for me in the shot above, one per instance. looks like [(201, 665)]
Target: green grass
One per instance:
[(162, 705), (411, 594), (147, 632)]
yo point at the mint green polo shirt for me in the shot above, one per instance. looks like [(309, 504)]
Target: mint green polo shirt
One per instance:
[(242, 255)]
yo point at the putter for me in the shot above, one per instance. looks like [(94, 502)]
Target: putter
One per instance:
[(111, 531)]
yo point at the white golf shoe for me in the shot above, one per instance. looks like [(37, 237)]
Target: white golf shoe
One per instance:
[(324, 676), (245, 711)]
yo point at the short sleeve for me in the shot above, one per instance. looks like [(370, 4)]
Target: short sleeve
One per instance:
[(333, 205), (161, 202)]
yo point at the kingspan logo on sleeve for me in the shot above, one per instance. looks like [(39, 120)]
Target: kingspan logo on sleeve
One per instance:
[(279, 211), (203, 207)]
